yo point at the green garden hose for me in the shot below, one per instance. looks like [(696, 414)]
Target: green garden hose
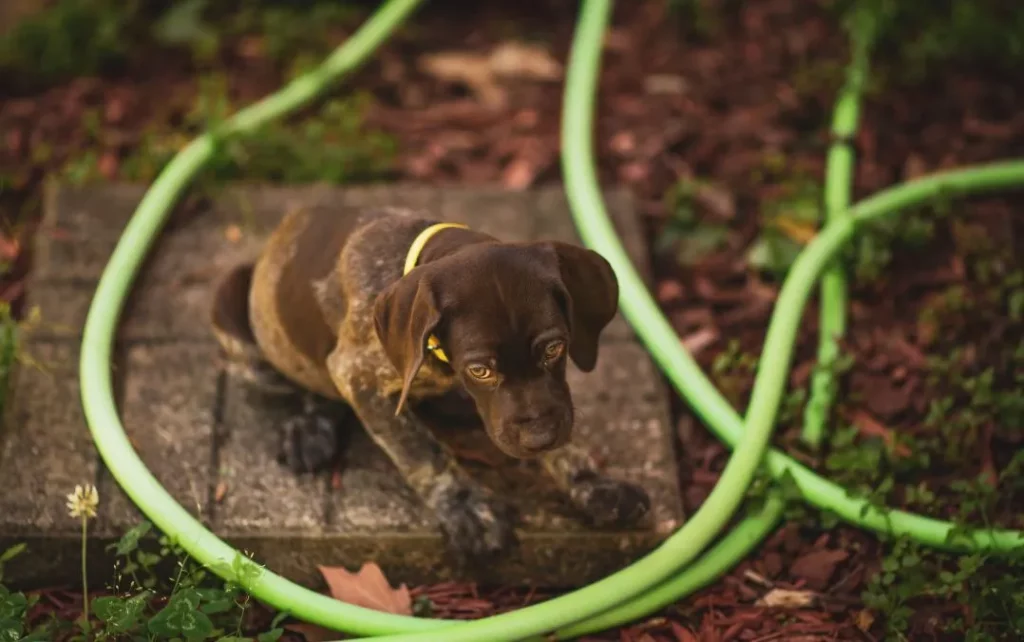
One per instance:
[(838, 190), (650, 583)]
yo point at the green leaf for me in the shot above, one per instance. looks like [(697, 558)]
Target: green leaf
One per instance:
[(108, 608), (700, 242), (189, 597), (183, 24), (280, 617), (180, 617), (147, 560), (12, 605), (217, 606), (270, 636), (233, 638), (130, 540), (13, 552), (11, 629), (41, 634), (118, 614)]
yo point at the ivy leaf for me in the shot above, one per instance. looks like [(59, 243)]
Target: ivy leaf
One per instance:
[(130, 540), (41, 634), (10, 629), (13, 552), (217, 606), (120, 615), (270, 636), (12, 605), (181, 618)]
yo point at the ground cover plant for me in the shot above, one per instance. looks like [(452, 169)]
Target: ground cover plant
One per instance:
[(717, 115)]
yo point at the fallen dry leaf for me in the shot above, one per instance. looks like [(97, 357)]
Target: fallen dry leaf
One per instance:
[(108, 165), (798, 231), (817, 567), (871, 427), (682, 633), (367, 588), (865, 620), (519, 174), (479, 72), (787, 599), (520, 60), (10, 248), (696, 342), (220, 492), (470, 69)]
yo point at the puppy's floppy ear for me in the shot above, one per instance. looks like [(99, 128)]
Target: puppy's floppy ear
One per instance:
[(593, 299), (405, 314)]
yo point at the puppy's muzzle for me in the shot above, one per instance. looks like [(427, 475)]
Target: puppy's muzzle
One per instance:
[(540, 432)]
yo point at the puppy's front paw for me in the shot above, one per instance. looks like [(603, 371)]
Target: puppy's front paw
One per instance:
[(477, 526), (310, 443), (609, 502)]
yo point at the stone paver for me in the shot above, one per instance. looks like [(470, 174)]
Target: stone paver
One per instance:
[(215, 450), (168, 399)]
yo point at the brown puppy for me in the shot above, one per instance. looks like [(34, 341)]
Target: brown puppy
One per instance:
[(327, 308)]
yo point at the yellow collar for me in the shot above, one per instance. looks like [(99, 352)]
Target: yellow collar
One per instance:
[(410, 262)]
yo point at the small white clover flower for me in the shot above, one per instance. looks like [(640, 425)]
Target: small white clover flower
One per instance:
[(84, 501)]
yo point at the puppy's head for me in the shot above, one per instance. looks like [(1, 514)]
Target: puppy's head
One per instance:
[(507, 315)]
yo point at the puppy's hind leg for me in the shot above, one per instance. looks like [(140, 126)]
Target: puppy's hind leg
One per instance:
[(313, 430), (315, 435)]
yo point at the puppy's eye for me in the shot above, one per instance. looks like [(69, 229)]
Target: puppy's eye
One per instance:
[(478, 371), (553, 350)]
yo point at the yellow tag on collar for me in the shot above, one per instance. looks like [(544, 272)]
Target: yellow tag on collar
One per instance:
[(433, 344)]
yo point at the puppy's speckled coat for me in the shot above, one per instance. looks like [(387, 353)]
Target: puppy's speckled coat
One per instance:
[(326, 310)]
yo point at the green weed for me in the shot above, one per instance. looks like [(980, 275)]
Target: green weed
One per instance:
[(8, 351), (686, 235), (988, 593), (917, 39), (788, 222), (330, 145), (732, 372), (146, 604), (70, 38)]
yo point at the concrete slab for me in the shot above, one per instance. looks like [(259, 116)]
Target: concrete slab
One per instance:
[(169, 396), (215, 449)]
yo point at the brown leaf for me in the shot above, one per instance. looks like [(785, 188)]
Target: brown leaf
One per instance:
[(367, 588), (519, 174), (682, 633), (864, 620), (817, 567), (798, 231), (10, 248), (868, 425), (108, 165), (696, 342)]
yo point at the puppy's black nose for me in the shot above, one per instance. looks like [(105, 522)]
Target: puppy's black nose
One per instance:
[(536, 437)]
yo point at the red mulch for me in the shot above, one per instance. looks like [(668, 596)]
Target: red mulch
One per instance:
[(669, 108)]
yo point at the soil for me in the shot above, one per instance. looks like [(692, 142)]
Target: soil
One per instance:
[(746, 112)]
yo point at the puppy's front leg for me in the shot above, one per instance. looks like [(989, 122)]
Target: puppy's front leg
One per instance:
[(602, 500), (476, 524)]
